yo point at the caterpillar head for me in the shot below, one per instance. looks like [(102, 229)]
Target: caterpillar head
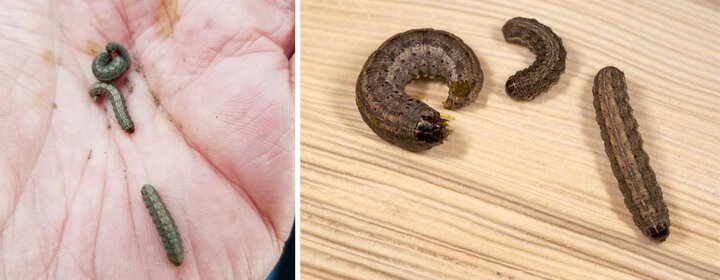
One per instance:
[(431, 130)]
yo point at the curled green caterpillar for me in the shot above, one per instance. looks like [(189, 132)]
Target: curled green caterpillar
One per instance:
[(107, 68), (117, 101)]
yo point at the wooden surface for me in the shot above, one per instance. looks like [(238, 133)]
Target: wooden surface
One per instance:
[(520, 190)]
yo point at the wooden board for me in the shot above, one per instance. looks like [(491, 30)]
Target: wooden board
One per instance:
[(520, 190)]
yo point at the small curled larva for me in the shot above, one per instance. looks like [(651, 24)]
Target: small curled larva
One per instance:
[(549, 63), (380, 90), (630, 164), (164, 224), (107, 68), (117, 101)]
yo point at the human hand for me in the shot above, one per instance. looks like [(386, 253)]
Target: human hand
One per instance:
[(212, 104)]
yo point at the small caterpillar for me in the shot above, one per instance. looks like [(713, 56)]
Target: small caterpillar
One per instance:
[(164, 224), (380, 90), (630, 164), (549, 64), (107, 68), (117, 101)]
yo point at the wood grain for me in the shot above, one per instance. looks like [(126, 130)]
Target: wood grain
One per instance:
[(521, 190)]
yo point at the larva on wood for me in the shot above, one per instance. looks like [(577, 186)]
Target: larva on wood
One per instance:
[(164, 224), (630, 164), (107, 67), (117, 101), (380, 89), (549, 63)]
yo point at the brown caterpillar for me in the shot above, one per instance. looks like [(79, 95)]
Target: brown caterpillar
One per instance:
[(380, 90), (549, 63), (164, 224), (630, 164)]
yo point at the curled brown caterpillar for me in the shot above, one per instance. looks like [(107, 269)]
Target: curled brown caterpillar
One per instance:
[(380, 90), (549, 64), (630, 164)]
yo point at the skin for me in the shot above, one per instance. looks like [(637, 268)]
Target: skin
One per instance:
[(630, 164), (213, 110), (380, 89), (97, 90)]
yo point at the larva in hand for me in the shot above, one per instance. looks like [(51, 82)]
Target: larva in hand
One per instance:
[(380, 89), (107, 68), (117, 101), (630, 164), (549, 63), (164, 224)]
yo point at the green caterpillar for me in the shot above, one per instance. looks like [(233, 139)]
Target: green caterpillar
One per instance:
[(107, 68), (164, 224), (117, 101)]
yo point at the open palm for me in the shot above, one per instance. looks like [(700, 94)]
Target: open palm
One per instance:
[(210, 92)]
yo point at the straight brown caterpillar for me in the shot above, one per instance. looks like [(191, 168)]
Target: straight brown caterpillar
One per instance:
[(117, 101), (630, 164), (380, 89), (164, 224), (549, 63)]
